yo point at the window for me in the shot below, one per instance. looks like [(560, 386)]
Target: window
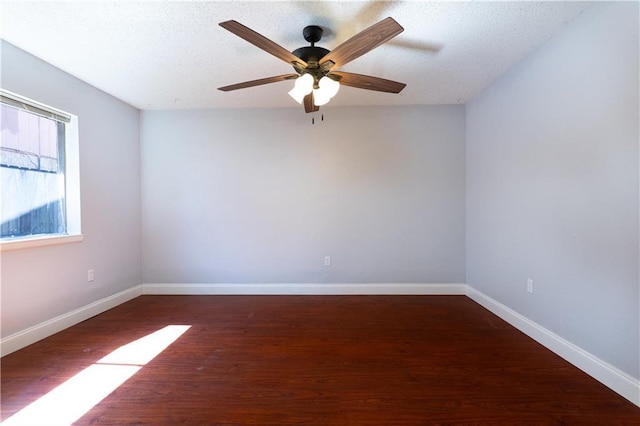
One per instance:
[(38, 171)]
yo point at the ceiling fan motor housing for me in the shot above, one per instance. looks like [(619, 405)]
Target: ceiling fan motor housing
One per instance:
[(311, 54)]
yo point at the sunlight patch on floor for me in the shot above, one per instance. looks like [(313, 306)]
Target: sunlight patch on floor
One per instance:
[(75, 397)]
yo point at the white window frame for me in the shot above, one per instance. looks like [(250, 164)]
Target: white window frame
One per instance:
[(72, 175)]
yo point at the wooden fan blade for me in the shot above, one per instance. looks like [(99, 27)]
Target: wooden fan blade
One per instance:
[(309, 105), (262, 42), (363, 42), (258, 82), (368, 82)]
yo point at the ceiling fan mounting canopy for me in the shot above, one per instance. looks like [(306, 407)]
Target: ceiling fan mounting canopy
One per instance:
[(320, 62), (312, 33)]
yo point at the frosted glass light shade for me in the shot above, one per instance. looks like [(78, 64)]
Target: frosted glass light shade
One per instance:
[(329, 86), (320, 97), (302, 87), (327, 89)]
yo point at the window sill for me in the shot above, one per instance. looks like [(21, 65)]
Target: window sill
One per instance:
[(39, 242)]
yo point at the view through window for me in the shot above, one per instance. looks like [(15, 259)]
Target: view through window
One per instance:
[(33, 166)]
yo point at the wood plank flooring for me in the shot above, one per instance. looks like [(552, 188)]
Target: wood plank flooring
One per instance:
[(318, 360)]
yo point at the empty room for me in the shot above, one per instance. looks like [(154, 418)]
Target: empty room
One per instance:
[(320, 212)]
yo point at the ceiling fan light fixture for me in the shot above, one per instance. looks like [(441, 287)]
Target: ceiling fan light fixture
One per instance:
[(302, 87)]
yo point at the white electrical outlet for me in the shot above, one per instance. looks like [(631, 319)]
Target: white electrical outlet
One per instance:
[(327, 261), (90, 276), (530, 285)]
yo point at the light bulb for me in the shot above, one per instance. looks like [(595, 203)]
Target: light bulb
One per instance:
[(302, 87)]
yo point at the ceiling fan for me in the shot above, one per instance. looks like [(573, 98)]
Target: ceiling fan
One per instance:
[(316, 75)]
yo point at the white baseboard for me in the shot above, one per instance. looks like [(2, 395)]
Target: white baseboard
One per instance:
[(40, 331), (605, 373), (305, 289)]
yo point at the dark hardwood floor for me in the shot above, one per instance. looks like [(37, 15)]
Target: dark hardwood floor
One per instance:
[(334, 360)]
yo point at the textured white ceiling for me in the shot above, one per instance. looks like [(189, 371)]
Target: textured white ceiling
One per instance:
[(174, 55)]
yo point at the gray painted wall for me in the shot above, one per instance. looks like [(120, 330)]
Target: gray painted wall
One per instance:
[(263, 195), (552, 186), (41, 283)]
